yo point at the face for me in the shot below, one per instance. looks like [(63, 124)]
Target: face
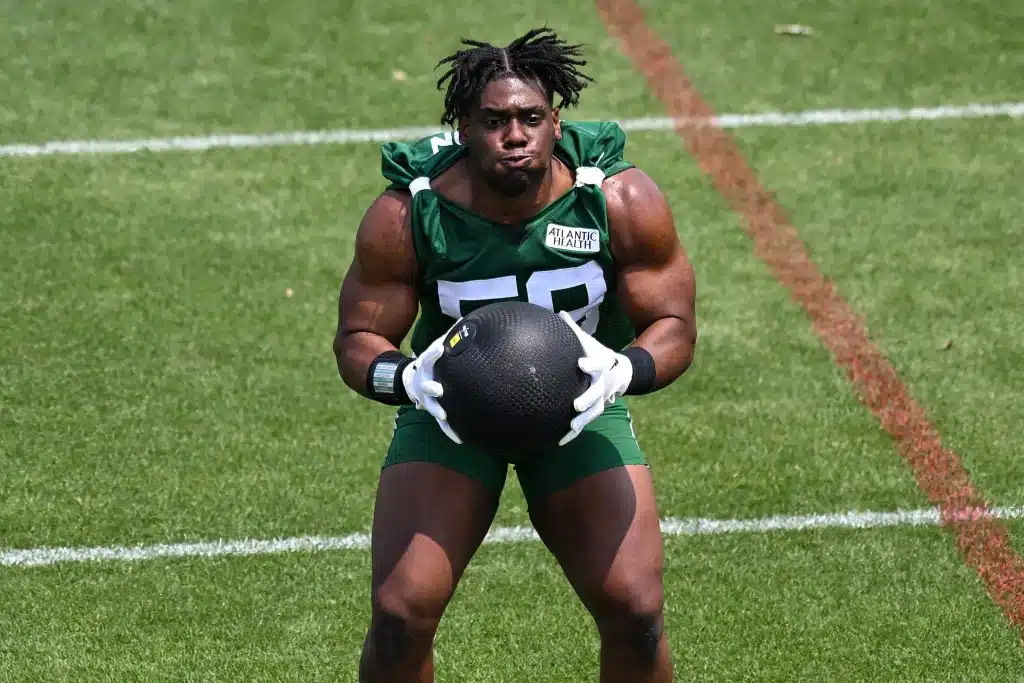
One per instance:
[(511, 134)]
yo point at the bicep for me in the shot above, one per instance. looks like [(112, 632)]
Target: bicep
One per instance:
[(657, 289), (655, 277), (378, 294)]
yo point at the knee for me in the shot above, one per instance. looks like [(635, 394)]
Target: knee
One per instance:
[(640, 634), (631, 619), (389, 642), (406, 613)]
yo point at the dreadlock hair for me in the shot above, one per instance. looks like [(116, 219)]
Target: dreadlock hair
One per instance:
[(539, 55)]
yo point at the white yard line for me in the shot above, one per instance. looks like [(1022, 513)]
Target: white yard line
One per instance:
[(340, 137), (36, 557)]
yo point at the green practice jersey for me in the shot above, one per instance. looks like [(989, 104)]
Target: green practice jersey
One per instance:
[(559, 259)]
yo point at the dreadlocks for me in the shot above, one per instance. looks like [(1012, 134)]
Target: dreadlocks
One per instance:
[(539, 55)]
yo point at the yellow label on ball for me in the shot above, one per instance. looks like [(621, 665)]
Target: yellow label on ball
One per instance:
[(460, 339)]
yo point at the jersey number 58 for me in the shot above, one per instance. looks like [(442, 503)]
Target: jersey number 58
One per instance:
[(541, 289)]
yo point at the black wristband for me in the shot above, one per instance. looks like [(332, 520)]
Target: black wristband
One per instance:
[(644, 374), (384, 379)]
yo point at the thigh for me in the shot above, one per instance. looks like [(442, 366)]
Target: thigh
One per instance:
[(435, 502), (605, 532), (428, 521)]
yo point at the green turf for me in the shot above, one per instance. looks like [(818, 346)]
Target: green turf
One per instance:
[(163, 385), (157, 384), (893, 605), (145, 68), (862, 53), (919, 227)]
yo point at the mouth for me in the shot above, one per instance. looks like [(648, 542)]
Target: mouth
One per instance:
[(516, 160)]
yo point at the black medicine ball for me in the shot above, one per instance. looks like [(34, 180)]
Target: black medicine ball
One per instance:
[(510, 373)]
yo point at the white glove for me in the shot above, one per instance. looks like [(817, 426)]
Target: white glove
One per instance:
[(424, 390), (610, 374)]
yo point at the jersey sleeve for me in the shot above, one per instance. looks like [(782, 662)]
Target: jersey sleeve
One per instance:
[(403, 162), (398, 165), (410, 167), (596, 144)]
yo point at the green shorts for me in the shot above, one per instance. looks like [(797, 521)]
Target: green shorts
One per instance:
[(606, 442)]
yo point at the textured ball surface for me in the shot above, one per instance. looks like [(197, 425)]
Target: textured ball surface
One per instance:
[(510, 375)]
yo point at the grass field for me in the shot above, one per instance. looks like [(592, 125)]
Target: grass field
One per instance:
[(158, 386)]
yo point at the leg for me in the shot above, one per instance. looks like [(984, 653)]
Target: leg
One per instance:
[(593, 504), (427, 523), (605, 533)]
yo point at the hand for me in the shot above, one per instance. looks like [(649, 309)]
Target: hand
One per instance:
[(424, 390), (610, 374)]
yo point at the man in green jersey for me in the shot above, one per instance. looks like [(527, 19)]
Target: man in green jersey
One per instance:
[(516, 205)]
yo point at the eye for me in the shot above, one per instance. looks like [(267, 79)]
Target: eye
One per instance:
[(534, 119)]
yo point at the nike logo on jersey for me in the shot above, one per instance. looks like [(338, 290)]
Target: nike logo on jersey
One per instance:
[(578, 240)]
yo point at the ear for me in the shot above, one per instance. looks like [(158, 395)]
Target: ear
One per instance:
[(463, 129), (557, 121)]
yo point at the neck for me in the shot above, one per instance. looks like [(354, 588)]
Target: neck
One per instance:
[(502, 209)]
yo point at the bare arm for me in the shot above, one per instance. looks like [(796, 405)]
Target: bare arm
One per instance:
[(378, 300), (655, 279)]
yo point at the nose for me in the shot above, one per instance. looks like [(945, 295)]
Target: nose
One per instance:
[(515, 135)]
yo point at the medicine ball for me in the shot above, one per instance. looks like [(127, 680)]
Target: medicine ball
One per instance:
[(510, 373)]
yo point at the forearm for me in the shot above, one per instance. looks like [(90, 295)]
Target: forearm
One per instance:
[(670, 342), (355, 352)]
